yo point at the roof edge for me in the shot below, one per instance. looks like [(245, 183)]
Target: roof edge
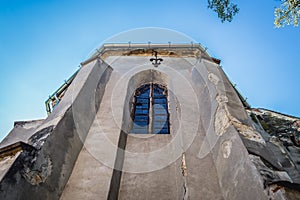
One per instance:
[(148, 46)]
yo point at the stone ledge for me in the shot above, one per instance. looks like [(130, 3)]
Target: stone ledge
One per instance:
[(12, 149)]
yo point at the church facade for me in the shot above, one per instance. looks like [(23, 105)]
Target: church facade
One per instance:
[(151, 121)]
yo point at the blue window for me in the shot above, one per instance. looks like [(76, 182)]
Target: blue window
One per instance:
[(150, 110)]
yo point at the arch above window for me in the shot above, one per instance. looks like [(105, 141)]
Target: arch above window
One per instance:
[(150, 110)]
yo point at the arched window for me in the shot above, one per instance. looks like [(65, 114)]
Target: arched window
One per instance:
[(150, 110)]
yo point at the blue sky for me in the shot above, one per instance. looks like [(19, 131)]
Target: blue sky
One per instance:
[(42, 42)]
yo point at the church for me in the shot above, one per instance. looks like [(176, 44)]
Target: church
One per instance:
[(151, 121)]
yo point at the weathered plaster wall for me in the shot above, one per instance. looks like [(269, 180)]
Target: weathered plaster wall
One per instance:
[(230, 155), (43, 174), (83, 149), (21, 131), (93, 170), (206, 108), (171, 147)]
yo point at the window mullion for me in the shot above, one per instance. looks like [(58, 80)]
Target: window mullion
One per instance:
[(150, 128)]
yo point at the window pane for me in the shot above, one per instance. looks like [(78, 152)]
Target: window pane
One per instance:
[(160, 101), (141, 101), (160, 111), (163, 118), (141, 112), (160, 106), (144, 95), (140, 130), (158, 124), (139, 118), (161, 131)]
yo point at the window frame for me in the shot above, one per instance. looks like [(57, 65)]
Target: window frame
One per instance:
[(158, 121)]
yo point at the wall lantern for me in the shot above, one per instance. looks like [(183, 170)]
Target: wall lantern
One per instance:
[(156, 61)]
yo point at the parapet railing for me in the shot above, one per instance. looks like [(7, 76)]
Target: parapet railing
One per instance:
[(55, 98)]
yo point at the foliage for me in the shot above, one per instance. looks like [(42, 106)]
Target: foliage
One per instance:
[(225, 9), (288, 13)]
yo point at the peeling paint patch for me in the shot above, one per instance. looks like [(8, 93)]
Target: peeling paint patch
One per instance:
[(226, 148), (247, 131), (222, 99), (184, 174), (38, 175), (6, 163), (186, 192), (183, 165), (222, 122), (37, 140), (213, 78), (223, 119), (28, 124)]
